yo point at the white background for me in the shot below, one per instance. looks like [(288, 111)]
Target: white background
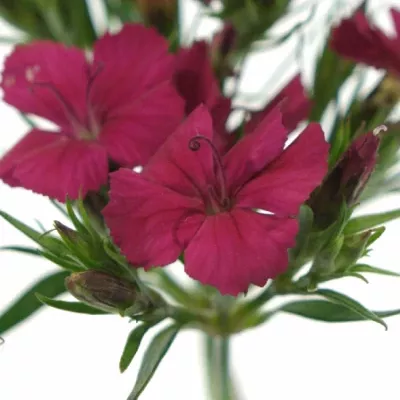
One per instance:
[(64, 356)]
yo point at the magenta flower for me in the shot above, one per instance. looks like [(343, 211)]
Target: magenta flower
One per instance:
[(293, 102), (356, 39), (189, 198), (118, 107)]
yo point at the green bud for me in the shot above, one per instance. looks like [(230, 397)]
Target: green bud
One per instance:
[(107, 292)]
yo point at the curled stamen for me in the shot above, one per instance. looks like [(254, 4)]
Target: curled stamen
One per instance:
[(379, 129), (194, 145)]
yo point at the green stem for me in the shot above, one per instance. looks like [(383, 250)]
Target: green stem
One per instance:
[(225, 392), (217, 368)]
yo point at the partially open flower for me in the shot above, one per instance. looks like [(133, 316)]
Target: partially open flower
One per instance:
[(347, 179), (357, 39)]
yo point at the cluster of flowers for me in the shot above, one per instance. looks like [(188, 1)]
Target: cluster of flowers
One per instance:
[(227, 199)]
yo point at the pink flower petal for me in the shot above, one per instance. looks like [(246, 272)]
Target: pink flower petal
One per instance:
[(286, 183), (54, 165), (178, 167), (233, 250), (128, 64), (133, 133), (293, 102), (359, 41), (194, 77), (220, 112), (396, 19), (37, 75), (151, 223), (252, 153)]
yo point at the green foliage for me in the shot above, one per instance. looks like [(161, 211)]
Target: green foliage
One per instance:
[(152, 357), (65, 21), (132, 345), (27, 304), (327, 311), (75, 307)]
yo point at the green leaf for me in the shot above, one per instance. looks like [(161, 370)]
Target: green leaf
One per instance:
[(351, 304), (322, 310), (152, 358), (132, 345), (60, 207), (73, 306), (366, 222), (74, 219), (46, 241), (372, 270), (27, 304), (22, 249), (62, 262)]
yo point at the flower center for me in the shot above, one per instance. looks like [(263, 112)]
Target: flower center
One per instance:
[(216, 198)]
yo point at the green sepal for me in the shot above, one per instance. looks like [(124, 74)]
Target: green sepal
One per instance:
[(306, 219), (354, 247), (325, 260)]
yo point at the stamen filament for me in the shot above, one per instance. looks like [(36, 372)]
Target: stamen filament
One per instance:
[(194, 145)]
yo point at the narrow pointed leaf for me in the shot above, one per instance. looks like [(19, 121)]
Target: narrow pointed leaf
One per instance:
[(59, 207), (27, 303), (22, 249), (366, 222), (373, 270), (132, 345), (152, 358), (351, 304), (62, 262), (73, 306), (74, 219), (44, 240), (326, 311)]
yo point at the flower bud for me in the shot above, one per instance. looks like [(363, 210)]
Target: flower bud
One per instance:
[(159, 13), (107, 292), (346, 181)]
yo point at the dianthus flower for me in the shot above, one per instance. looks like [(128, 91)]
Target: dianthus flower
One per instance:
[(233, 215), (119, 106)]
